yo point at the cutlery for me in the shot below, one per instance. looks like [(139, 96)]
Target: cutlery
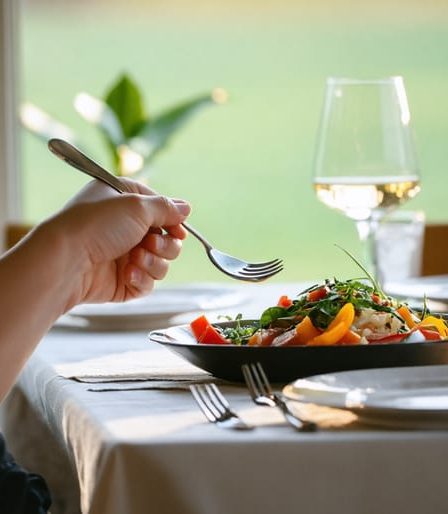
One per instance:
[(261, 393), (232, 266), (216, 408)]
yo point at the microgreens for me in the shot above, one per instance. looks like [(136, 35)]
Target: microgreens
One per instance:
[(239, 334)]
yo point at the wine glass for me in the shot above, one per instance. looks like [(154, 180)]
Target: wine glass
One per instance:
[(365, 161)]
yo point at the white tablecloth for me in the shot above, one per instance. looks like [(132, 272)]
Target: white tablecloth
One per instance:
[(151, 451)]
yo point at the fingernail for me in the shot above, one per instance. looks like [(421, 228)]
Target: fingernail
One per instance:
[(148, 258), (160, 242), (136, 277), (182, 206)]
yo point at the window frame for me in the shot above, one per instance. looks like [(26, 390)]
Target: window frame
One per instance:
[(10, 183)]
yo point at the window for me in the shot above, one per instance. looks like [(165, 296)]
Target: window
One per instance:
[(9, 177), (245, 166)]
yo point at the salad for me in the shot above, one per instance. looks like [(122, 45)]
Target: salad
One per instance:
[(349, 312)]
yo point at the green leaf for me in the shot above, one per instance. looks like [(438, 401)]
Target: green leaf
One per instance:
[(98, 113), (125, 100), (271, 314), (155, 134)]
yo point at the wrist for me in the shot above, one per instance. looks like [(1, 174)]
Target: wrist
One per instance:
[(58, 264)]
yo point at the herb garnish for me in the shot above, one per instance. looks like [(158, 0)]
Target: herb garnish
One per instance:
[(426, 311), (323, 311), (239, 334), (372, 279)]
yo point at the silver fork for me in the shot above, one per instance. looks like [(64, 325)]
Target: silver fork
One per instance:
[(232, 266), (261, 393), (216, 408)]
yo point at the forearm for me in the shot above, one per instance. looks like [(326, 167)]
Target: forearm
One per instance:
[(37, 280)]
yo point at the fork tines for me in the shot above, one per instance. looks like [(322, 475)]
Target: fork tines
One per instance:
[(263, 269), (216, 408), (257, 382)]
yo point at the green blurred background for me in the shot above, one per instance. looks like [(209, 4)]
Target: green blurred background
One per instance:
[(245, 166)]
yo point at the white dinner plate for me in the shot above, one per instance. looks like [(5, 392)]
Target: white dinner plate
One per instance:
[(155, 310), (411, 397), (434, 287)]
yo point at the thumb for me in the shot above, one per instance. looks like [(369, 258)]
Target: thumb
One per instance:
[(164, 212)]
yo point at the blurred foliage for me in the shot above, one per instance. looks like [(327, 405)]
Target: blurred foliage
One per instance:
[(133, 138)]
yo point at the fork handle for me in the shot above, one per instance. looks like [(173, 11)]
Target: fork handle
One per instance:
[(299, 424), (71, 155)]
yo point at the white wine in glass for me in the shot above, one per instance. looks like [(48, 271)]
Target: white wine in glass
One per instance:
[(365, 162)]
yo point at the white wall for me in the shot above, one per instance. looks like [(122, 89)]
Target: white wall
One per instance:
[(9, 155)]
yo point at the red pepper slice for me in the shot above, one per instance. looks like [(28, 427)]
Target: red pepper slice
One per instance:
[(429, 335), (284, 301), (205, 332), (199, 325), (212, 336), (394, 338)]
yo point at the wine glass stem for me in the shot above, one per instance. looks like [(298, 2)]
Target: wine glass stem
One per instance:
[(366, 231)]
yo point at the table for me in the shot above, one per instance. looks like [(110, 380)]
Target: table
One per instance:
[(151, 451)]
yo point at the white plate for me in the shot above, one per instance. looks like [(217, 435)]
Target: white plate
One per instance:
[(155, 310), (411, 397), (434, 287)]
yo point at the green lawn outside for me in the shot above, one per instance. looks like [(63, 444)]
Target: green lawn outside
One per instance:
[(245, 166)]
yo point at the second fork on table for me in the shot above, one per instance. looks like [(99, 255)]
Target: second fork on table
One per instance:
[(262, 394)]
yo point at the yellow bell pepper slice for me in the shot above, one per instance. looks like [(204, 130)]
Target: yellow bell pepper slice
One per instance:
[(337, 328), (437, 323), (350, 337)]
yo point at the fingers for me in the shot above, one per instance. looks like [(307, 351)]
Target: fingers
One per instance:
[(162, 245), (145, 267), (138, 281), (177, 231), (161, 207), (161, 211), (174, 210), (155, 265), (149, 261), (144, 206), (134, 186)]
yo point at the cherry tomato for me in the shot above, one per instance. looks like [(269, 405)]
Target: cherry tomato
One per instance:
[(317, 294), (284, 301)]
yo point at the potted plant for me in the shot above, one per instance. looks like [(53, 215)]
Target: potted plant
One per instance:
[(133, 137)]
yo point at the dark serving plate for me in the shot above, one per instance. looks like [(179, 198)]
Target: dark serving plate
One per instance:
[(289, 363)]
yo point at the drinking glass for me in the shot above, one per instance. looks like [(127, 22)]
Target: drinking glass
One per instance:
[(399, 241), (365, 161)]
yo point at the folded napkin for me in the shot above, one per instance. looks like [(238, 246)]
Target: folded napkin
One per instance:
[(153, 385), (153, 365), (132, 378)]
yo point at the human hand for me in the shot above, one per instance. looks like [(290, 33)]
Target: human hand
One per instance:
[(118, 242), (102, 246)]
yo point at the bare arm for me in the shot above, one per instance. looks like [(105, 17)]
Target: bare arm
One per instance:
[(101, 247)]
